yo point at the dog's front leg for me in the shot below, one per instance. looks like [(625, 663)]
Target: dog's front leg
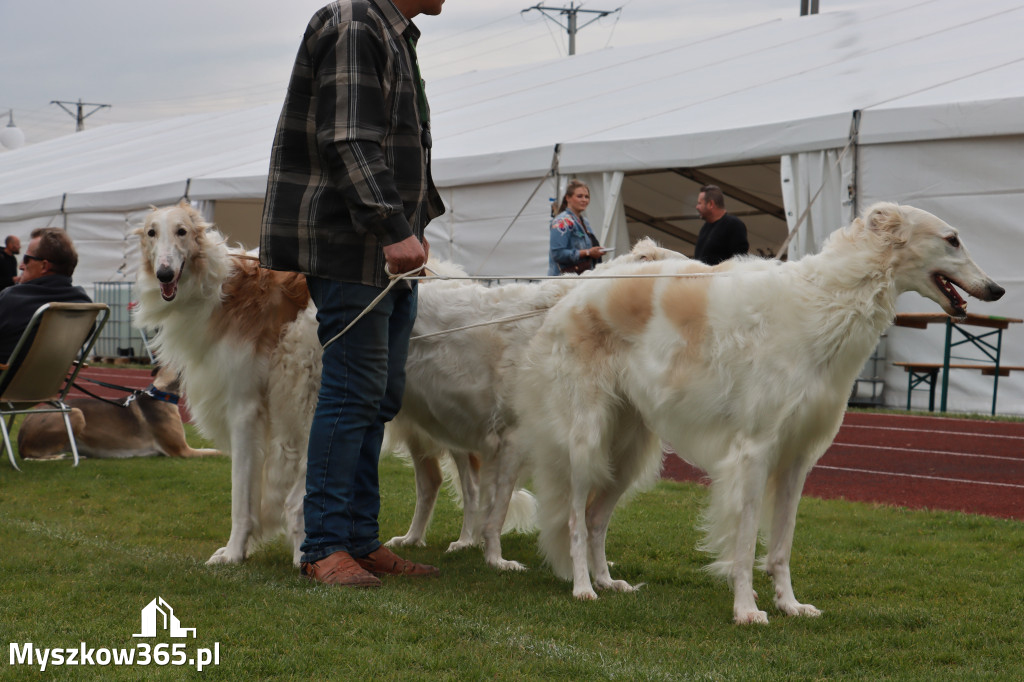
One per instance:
[(294, 521), (468, 466), (578, 542), (598, 515), (246, 462), (427, 470), (507, 462), (788, 486)]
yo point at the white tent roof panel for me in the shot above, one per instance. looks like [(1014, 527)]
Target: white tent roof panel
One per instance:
[(130, 165)]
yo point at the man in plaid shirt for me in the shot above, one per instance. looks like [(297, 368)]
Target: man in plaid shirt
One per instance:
[(349, 191)]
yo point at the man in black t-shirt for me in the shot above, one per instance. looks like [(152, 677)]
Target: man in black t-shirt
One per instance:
[(722, 236), (9, 261)]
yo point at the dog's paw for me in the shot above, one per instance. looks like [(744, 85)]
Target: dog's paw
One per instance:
[(460, 545), (618, 586), (795, 608), (406, 541), (750, 617), (225, 555), (507, 565), (587, 594)]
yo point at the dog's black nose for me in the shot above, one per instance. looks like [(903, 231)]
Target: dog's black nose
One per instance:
[(165, 274), (995, 292)]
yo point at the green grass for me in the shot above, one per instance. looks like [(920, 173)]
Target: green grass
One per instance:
[(906, 595)]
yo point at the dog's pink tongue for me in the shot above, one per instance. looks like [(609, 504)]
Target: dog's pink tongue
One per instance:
[(168, 290)]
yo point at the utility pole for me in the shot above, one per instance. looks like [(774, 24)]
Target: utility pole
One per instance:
[(808, 7), (79, 117), (571, 13)]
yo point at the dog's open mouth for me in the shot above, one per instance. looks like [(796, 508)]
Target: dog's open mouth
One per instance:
[(169, 290), (168, 280), (958, 304)]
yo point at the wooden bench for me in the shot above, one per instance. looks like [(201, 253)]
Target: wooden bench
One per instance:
[(928, 372)]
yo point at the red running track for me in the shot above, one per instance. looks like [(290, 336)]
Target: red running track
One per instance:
[(972, 466), (129, 379)]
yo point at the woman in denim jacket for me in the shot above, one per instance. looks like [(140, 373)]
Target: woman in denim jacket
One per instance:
[(574, 248)]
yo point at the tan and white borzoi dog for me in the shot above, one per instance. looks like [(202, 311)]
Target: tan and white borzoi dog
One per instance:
[(745, 372), (146, 425), (458, 398), (244, 340)]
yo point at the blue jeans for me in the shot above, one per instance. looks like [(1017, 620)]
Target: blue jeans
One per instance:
[(361, 389)]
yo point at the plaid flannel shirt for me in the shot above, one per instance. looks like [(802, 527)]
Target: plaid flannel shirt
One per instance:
[(350, 165)]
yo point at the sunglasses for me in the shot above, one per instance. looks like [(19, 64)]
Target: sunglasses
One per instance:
[(26, 258)]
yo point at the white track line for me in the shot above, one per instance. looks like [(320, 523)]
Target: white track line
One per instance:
[(931, 431), (929, 452), (930, 478)]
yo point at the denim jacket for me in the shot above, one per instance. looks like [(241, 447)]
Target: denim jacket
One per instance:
[(569, 235)]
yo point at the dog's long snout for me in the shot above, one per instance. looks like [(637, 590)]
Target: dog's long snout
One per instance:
[(165, 274)]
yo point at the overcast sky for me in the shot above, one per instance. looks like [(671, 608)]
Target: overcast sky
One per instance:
[(156, 59)]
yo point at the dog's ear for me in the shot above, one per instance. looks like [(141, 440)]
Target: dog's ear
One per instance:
[(886, 221), (643, 249), (140, 230)]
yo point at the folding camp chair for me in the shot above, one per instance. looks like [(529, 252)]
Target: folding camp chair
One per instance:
[(46, 361)]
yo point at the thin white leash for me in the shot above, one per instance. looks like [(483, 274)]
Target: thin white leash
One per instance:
[(502, 320), (395, 279), (583, 278)]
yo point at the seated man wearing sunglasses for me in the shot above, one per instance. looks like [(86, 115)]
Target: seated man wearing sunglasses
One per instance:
[(46, 269)]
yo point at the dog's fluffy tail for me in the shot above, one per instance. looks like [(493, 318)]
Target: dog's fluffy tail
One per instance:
[(554, 503), (522, 513)]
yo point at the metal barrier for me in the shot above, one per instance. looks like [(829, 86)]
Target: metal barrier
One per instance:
[(119, 338)]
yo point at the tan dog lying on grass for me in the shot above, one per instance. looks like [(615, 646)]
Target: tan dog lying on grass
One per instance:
[(147, 426)]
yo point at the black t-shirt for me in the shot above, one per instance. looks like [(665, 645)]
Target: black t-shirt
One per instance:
[(8, 269), (721, 240)]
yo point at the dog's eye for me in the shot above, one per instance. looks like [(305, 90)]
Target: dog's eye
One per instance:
[(953, 241), (182, 232), (151, 232)]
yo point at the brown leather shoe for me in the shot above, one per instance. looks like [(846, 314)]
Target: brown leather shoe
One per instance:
[(382, 561), (338, 569)]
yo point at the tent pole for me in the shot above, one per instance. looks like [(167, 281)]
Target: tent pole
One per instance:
[(854, 157)]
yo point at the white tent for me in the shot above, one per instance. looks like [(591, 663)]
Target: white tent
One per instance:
[(803, 122)]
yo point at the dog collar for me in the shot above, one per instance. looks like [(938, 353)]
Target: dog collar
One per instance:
[(156, 394)]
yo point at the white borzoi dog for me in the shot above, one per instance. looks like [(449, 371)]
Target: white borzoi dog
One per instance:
[(244, 340), (744, 368), (458, 400)]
